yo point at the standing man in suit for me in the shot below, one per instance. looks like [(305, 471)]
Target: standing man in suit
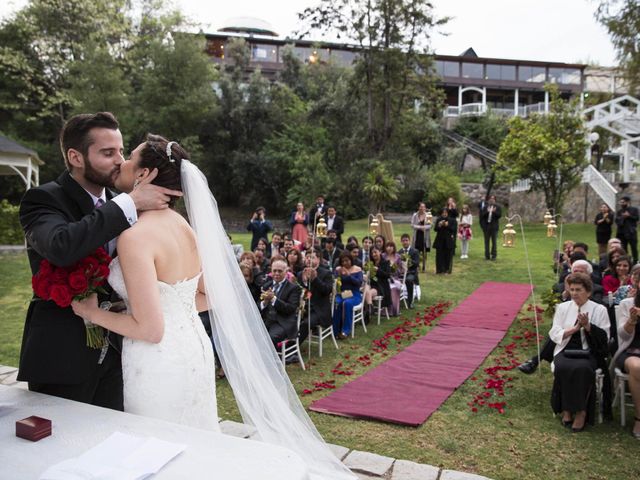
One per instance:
[(334, 222), (490, 224), (318, 280), (63, 225), (627, 221), (279, 304), (413, 259), (259, 226), (317, 210)]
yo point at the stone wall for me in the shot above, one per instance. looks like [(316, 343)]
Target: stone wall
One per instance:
[(582, 205), (473, 193)]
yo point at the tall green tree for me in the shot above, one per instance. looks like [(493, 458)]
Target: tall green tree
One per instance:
[(392, 70), (549, 150), (622, 20)]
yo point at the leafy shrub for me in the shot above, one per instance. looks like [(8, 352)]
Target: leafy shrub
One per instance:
[(442, 182), (10, 229)]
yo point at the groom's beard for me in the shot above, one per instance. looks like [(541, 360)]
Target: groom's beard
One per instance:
[(100, 178)]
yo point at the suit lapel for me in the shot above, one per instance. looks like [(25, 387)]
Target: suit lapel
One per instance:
[(76, 193)]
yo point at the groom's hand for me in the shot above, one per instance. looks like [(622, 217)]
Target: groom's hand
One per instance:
[(152, 197)]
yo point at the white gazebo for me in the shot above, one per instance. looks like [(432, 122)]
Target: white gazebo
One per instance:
[(18, 160)]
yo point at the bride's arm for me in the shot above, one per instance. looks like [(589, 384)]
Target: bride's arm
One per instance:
[(138, 268)]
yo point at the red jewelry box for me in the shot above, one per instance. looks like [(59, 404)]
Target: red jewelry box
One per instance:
[(33, 428)]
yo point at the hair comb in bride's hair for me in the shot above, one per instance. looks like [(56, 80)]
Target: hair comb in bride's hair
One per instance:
[(171, 159)]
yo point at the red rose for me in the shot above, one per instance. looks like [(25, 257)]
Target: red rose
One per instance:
[(102, 256), (59, 276), (61, 295), (45, 268), (89, 265), (78, 282), (41, 286)]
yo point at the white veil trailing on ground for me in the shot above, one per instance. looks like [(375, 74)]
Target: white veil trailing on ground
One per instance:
[(265, 396)]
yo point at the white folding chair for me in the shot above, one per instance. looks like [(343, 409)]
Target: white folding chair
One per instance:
[(620, 387), (291, 346), (404, 294), (379, 307), (416, 293), (325, 332), (358, 316)]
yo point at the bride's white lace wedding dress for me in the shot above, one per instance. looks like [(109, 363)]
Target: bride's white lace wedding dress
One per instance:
[(175, 379)]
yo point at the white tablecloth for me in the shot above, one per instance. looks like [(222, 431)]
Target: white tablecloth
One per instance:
[(77, 427)]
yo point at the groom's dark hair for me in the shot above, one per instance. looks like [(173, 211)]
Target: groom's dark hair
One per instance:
[(76, 132), (154, 155)]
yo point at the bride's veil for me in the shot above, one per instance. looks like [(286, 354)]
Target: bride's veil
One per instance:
[(264, 394)]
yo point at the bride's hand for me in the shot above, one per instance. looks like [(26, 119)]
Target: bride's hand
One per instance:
[(85, 308)]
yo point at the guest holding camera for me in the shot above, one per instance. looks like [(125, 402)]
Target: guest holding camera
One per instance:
[(259, 226), (604, 221)]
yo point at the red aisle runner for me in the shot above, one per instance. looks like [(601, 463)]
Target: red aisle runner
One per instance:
[(410, 386)]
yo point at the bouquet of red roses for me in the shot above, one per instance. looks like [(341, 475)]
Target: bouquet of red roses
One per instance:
[(63, 285)]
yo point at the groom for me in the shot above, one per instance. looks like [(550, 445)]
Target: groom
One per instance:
[(65, 221)]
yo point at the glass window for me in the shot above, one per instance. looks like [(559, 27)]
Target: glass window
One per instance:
[(565, 76), (493, 72), (472, 70), (508, 72), (531, 74), (264, 53), (215, 48), (343, 58), (451, 69)]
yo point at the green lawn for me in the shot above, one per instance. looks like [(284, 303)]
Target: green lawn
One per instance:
[(525, 441)]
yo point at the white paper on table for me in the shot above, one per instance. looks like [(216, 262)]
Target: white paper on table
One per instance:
[(119, 457)]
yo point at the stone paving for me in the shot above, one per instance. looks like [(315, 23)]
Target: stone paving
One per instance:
[(366, 466)]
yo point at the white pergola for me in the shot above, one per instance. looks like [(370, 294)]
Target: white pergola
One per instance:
[(16, 159)]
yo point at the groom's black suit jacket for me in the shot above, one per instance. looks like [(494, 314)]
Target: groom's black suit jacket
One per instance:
[(61, 225), (283, 311)]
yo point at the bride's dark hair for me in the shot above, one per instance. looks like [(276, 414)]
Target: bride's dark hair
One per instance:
[(154, 155)]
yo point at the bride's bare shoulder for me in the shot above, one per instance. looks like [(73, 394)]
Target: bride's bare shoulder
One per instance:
[(154, 225)]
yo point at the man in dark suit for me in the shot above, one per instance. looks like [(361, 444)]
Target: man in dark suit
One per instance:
[(334, 222), (354, 251), (331, 253), (413, 259), (259, 226), (317, 210), (63, 225), (627, 221), (279, 304), (318, 280), (490, 224)]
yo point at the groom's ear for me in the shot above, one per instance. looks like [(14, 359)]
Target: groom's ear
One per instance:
[(75, 158)]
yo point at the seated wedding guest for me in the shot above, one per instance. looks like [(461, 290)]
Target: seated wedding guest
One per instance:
[(279, 303), (604, 221), (333, 235), (275, 246), (397, 274), (412, 260), (561, 261), (294, 261), (580, 332), (445, 241), (379, 241), (307, 246), (262, 262), (353, 240), (287, 245), (331, 253), (249, 259), (575, 256), (617, 282), (263, 244), (238, 249), (335, 222), (464, 230), (317, 279), (615, 251), (378, 275), (354, 251), (298, 223), (367, 243), (627, 356), (254, 288), (584, 248), (580, 265), (546, 350), (259, 226), (350, 279)]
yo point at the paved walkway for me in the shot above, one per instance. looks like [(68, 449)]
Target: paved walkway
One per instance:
[(367, 466)]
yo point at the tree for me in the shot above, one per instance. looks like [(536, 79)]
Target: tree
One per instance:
[(622, 19), (381, 187), (392, 67), (549, 150)]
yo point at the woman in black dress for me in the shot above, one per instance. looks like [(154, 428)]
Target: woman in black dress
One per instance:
[(445, 243), (604, 220), (379, 275)]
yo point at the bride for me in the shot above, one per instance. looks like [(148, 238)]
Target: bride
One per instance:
[(167, 270)]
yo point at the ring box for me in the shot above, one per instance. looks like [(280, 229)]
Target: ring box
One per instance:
[(33, 428)]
